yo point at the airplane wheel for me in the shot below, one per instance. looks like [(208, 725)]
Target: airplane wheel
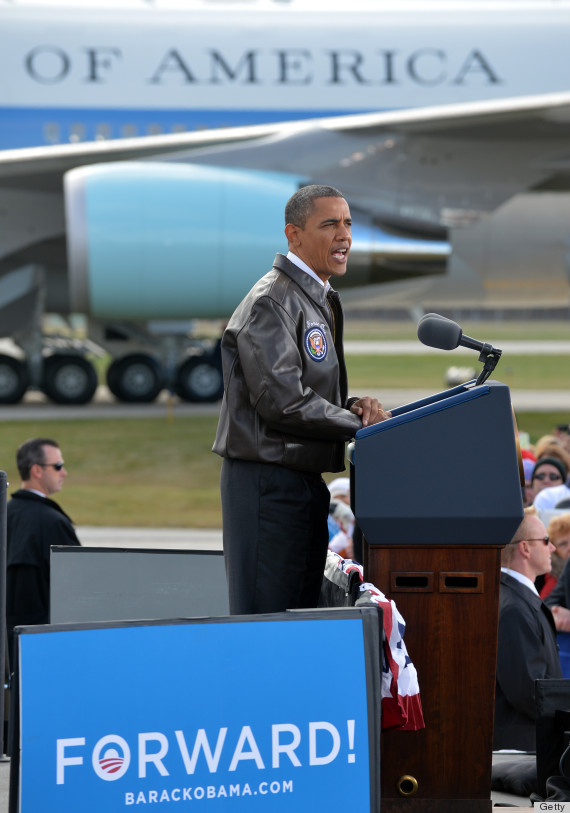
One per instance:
[(69, 379), (136, 378), (13, 379), (199, 379)]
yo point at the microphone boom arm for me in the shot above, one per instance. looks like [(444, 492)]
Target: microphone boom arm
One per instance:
[(489, 356)]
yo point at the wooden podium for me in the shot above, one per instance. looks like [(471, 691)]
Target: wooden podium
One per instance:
[(437, 493)]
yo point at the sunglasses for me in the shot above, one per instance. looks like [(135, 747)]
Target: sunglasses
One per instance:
[(544, 539), (551, 476), (56, 466)]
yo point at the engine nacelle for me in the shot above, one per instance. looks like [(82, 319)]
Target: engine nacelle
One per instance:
[(150, 240), (170, 240)]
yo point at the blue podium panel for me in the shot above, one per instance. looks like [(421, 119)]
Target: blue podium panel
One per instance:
[(443, 471), (235, 714)]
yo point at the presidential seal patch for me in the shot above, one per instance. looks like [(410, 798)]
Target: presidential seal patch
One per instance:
[(316, 343)]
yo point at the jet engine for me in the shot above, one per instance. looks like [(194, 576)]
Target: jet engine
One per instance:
[(153, 240)]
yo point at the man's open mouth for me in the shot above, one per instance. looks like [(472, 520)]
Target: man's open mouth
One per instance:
[(340, 253)]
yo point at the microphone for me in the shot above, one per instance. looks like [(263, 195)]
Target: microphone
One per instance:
[(437, 331), (445, 334)]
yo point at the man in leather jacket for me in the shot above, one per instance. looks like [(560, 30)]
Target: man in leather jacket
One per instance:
[(286, 414)]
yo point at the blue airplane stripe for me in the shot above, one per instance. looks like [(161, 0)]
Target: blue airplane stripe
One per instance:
[(30, 127)]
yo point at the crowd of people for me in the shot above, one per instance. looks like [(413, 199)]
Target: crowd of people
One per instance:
[(547, 469), (547, 488)]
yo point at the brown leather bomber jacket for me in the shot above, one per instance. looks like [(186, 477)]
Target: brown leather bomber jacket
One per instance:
[(285, 380)]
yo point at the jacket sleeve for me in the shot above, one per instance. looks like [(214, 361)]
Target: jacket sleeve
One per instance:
[(272, 367)]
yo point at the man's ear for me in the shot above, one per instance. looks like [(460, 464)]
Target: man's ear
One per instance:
[(292, 234), (524, 548)]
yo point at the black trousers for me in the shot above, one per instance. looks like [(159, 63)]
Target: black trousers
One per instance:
[(275, 536)]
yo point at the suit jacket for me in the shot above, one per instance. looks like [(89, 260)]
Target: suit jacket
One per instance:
[(527, 650)]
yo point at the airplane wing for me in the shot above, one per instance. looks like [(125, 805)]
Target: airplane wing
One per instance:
[(434, 166)]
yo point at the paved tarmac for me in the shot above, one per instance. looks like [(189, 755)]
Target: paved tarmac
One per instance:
[(414, 347), (36, 407), (166, 538)]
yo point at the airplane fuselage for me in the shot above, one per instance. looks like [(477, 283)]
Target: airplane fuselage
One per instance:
[(88, 73)]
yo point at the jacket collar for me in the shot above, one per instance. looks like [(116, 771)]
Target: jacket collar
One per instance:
[(312, 288), (24, 494), (522, 590)]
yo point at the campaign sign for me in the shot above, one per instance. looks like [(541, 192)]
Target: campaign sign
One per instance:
[(270, 713)]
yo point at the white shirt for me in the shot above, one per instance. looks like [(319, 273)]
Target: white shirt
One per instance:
[(304, 267), (35, 491), (520, 578)]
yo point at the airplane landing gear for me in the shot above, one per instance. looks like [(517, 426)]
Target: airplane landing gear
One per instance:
[(199, 379), (14, 379), (68, 379), (59, 366), (136, 378)]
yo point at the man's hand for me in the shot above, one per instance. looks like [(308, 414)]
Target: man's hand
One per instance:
[(561, 618), (370, 410)]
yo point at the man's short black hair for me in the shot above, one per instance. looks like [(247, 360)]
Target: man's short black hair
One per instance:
[(30, 452), (300, 205)]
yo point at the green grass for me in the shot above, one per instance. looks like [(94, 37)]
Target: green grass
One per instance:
[(427, 371), (150, 472), (492, 331), (145, 472)]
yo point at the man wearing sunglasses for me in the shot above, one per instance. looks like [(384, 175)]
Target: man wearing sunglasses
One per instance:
[(34, 523), (527, 647)]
